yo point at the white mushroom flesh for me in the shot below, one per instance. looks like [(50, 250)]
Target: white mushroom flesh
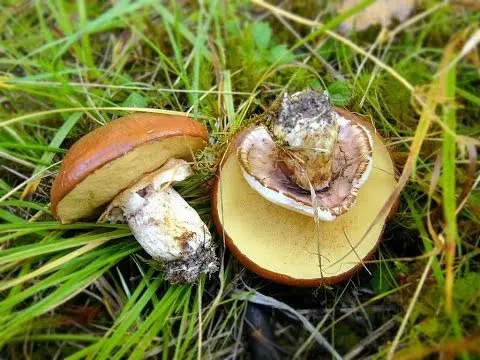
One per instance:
[(165, 225)]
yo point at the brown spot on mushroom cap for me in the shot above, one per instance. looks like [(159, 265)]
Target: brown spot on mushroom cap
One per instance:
[(281, 245), (114, 156)]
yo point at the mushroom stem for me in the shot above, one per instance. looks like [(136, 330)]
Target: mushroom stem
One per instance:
[(318, 169), (165, 225), (309, 129)]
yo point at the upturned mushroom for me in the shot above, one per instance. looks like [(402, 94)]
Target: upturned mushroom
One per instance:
[(295, 198), (129, 166)]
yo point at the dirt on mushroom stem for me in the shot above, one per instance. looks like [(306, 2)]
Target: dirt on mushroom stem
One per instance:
[(307, 126)]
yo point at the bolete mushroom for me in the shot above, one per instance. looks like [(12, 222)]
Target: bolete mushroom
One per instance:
[(294, 199), (130, 165)]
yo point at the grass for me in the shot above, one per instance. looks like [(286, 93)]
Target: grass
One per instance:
[(84, 290)]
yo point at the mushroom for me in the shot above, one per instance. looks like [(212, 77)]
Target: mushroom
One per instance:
[(130, 165), (294, 200)]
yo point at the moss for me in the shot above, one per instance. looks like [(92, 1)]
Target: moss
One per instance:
[(396, 98)]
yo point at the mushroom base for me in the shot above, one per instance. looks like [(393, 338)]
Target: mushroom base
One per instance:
[(192, 263)]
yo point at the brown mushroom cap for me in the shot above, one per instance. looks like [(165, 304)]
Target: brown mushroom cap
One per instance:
[(109, 159), (285, 246)]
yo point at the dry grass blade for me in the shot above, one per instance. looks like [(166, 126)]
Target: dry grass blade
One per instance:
[(9, 157), (469, 46), (446, 350), (75, 109), (357, 350), (413, 301), (469, 184)]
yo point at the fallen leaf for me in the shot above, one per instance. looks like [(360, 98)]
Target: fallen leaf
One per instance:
[(381, 12)]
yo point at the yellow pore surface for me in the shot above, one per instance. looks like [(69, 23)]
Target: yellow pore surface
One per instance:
[(288, 243)]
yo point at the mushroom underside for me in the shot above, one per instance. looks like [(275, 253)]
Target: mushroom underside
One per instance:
[(288, 247), (90, 196), (352, 162)]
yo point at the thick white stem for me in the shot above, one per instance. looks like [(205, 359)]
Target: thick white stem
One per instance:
[(165, 225)]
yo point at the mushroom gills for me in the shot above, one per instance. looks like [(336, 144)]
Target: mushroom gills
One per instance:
[(165, 225)]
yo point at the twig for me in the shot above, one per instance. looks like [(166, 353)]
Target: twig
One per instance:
[(369, 339)]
